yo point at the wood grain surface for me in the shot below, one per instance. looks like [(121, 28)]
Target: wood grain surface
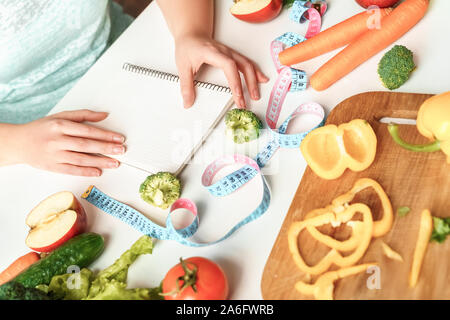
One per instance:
[(416, 180)]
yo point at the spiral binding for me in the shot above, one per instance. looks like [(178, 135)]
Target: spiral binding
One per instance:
[(171, 77)]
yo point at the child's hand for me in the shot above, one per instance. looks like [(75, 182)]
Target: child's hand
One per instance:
[(193, 51), (63, 143)]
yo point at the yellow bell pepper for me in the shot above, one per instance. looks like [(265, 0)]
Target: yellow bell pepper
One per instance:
[(331, 149), (363, 236), (380, 227), (390, 253), (323, 288), (338, 212), (425, 230), (433, 122)]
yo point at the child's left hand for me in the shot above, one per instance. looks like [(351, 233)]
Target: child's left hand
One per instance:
[(193, 51)]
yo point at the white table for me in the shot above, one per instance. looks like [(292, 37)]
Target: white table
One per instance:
[(243, 256)]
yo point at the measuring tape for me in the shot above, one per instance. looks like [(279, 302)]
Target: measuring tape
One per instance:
[(289, 79), (223, 187), (312, 11)]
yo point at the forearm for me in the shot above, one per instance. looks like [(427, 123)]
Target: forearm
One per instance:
[(8, 144), (188, 17)]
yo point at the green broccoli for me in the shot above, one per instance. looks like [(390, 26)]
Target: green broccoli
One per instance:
[(396, 66), (160, 189), (242, 125)]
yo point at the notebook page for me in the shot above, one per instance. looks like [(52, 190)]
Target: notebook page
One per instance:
[(160, 133)]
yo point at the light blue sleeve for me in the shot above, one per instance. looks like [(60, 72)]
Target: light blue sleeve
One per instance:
[(46, 46)]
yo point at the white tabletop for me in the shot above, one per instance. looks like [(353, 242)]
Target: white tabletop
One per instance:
[(243, 256)]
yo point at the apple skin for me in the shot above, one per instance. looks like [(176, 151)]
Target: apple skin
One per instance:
[(267, 13), (379, 3), (79, 226)]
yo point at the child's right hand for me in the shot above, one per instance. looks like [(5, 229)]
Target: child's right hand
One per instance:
[(63, 143)]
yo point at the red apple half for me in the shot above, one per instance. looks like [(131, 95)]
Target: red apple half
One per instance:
[(379, 3), (256, 10), (54, 221)]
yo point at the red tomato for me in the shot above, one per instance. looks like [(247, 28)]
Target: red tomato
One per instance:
[(195, 278)]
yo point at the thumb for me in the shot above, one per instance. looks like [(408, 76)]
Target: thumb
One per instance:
[(187, 87)]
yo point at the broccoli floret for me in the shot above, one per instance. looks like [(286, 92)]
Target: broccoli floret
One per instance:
[(396, 66), (242, 125), (160, 189)]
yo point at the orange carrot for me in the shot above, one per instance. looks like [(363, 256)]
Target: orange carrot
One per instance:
[(393, 27), (330, 39), (18, 266)]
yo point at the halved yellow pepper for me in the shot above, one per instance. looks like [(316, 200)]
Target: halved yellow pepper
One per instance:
[(433, 122), (323, 288), (380, 227), (362, 236), (331, 149)]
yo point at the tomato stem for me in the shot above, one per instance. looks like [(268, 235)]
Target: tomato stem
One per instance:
[(189, 279), (190, 276), (429, 147)]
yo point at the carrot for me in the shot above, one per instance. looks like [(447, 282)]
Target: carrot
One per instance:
[(330, 39), (21, 264), (393, 27)]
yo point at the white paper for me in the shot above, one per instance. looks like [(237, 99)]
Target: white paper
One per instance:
[(160, 134)]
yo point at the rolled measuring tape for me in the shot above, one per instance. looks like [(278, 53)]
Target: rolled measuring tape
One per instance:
[(223, 187), (309, 10), (289, 79)]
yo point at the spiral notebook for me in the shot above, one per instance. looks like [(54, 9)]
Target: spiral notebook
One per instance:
[(146, 106)]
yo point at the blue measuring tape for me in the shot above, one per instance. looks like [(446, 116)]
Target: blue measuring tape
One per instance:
[(289, 79), (223, 187)]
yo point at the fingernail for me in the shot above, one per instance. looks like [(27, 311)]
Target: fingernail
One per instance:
[(98, 173), (113, 164), (119, 150), (256, 94), (242, 103), (119, 138)]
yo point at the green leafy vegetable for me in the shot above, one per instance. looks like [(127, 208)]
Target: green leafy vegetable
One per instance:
[(441, 229), (242, 125), (403, 211), (108, 284), (160, 189), (396, 66), (59, 289)]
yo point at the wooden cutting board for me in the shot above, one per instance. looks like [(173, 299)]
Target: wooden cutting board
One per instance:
[(416, 180)]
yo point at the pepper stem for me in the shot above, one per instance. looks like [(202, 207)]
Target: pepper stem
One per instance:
[(429, 147)]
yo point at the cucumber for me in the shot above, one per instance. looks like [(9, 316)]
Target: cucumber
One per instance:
[(16, 291), (79, 251)]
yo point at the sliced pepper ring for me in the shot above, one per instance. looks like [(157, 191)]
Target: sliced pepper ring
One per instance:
[(323, 288), (380, 227), (363, 238), (345, 245)]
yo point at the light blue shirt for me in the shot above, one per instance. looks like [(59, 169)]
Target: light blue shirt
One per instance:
[(46, 46)]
